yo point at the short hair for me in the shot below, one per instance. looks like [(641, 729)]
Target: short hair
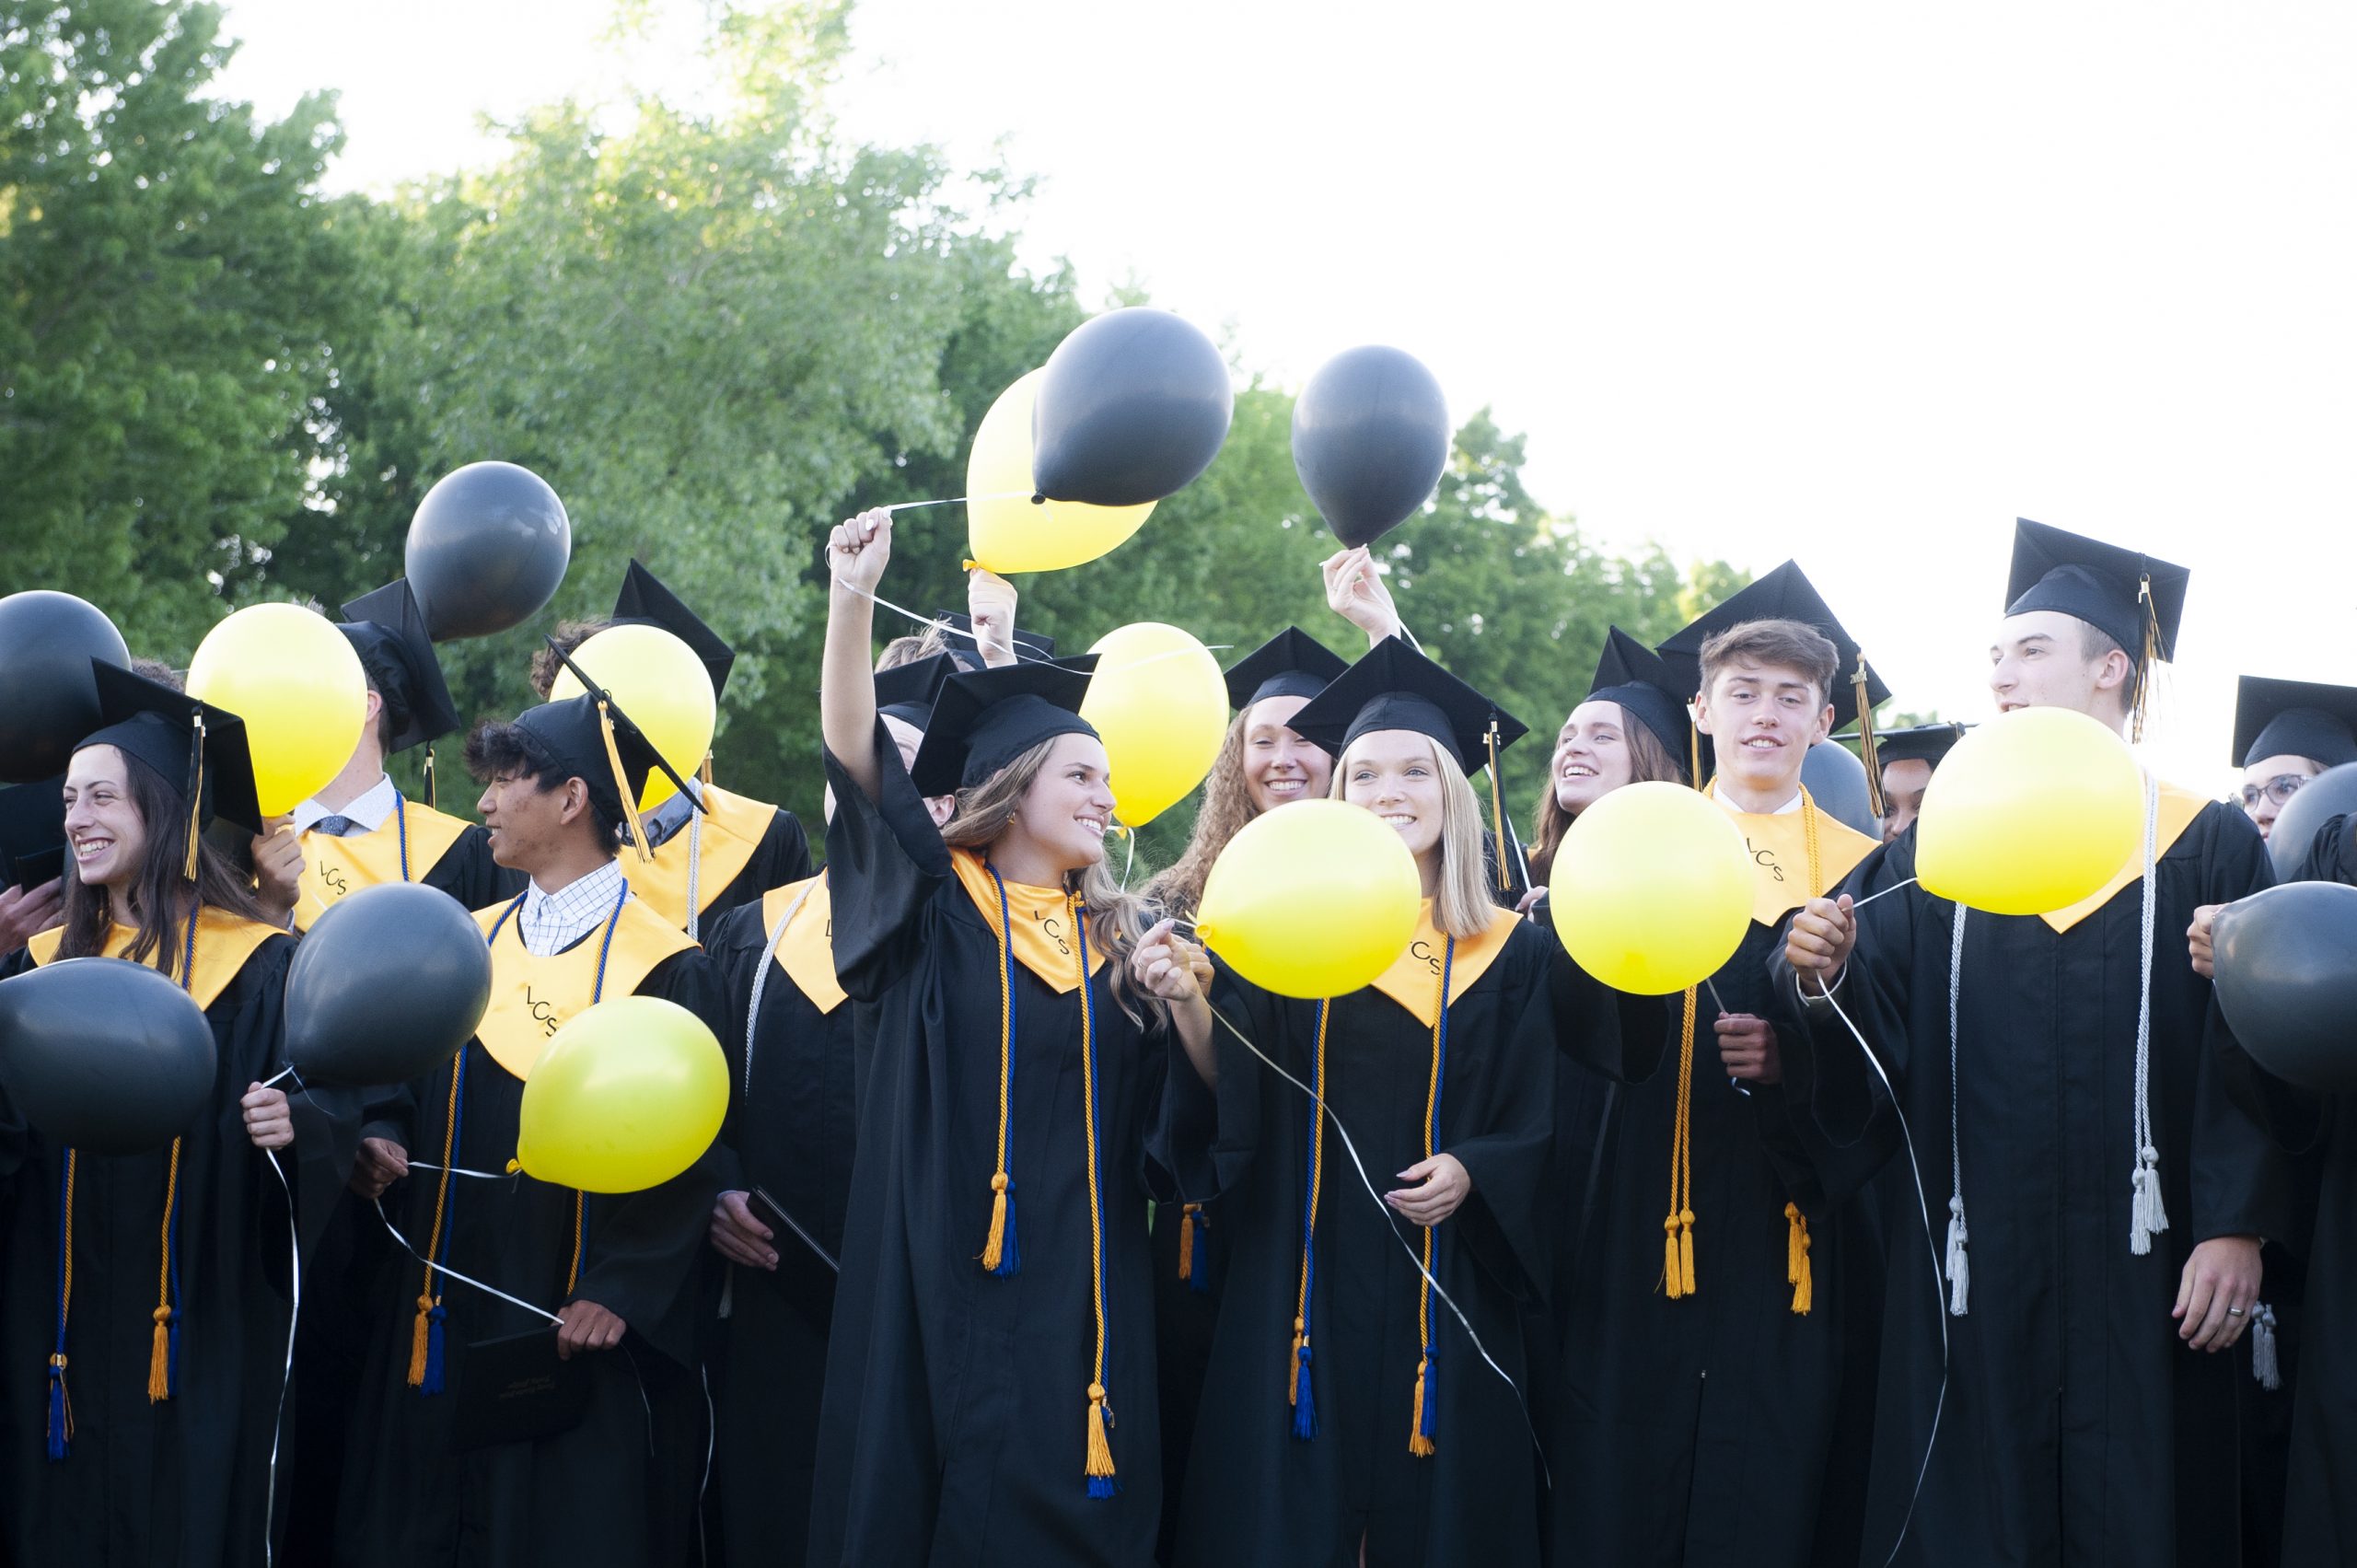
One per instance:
[(2096, 644), (497, 749), (907, 650), (160, 672), (569, 636), (1779, 645)]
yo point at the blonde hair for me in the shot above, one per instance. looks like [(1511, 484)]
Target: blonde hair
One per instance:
[(1117, 918), (1461, 907), (1227, 806)]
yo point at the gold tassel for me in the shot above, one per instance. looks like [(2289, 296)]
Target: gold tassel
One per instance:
[(1420, 1445), (1100, 1449), (430, 802), (1187, 1240), (195, 801), (159, 1354), (995, 1243), (160, 1358), (631, 828), (1498, 817), (1695, 752), (703, 774), (417, 1344), (1797, 1272), (1868, 752), (2143, 674)]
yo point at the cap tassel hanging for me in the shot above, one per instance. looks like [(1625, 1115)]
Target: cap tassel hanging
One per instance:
[(2142, 707), (1678, 1229), (1868, 751), (431, 803), (631, 828), (703, 771), (195, 799), (1498, 814)]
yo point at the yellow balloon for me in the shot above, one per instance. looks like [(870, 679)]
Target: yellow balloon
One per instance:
[(2031, 813), (1010, 534), (1651, 890), (626, 1096), (291, 675), (656, 679), (1160, 705), (1313, 899)]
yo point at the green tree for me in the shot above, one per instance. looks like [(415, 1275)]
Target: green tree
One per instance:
[(171, 290)]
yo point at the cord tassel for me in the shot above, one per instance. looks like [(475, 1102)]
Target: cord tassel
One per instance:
[(1797, 1272), (61, 1411), (1297, 1390), (1187, 1212), (1000, 1254), (2150, 1216), (1305, 1404), (1419, 1436), (1100, 1448), (1959, 1263), (1678, 1227), (2265, 1364), (419, 1340), (160, 1358), (61, 1405)]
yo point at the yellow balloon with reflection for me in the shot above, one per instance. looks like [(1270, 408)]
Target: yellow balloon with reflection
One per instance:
[(296, 681), (1651, 892), (1313, 899), (626, 1095), (1159, 703), (2031, 813), (657, 680), (1008, 533)]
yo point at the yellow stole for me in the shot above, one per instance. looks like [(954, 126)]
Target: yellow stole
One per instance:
[(807, 951), (224, 942), (1414, 978), (1780, 857), (531, 997), (1040, 941), (730, 833), (2175, 810), (333, 866)]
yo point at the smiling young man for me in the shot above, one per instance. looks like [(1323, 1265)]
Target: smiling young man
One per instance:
[(2067, 1066), (1702, 1379), (616, 1268)]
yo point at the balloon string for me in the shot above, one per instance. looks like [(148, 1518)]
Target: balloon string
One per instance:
[(1545, 1475), (1870, 898), (944, 627), (1939, 1290), (961, 500), (448, 1272), (286, 1374), (461, 1170)]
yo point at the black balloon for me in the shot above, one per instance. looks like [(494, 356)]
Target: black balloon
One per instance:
[(487, 550), (49, 699), (2287, 981), (387, 985), (1132, 405), (1836, 779), (2330, 794), (108, 1056), (1370, 437)]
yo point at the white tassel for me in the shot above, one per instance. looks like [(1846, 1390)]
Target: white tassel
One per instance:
[(2263, 1363), (2150, 1217), (1959, 1267)]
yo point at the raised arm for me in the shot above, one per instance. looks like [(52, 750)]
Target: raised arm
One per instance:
[(1356, 592), (857, 552), (990, 607)]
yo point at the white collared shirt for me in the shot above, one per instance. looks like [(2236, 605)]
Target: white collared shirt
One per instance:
[(367, 812), (550, 922)]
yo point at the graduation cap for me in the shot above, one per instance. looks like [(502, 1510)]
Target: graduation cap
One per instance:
[(596, 742), (1640, 681), (2133, 599), (32, 833), (957, 638), (645, 601), (2295, 718), (1291, 664), (906, 691), (387, 629), (983, 719), (1918, 743), (199, 750)]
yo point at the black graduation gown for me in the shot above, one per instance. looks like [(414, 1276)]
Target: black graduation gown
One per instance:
[(2077, 1427), (791, 1135), (1255, 1492), (185, 1482), (1701, 1430), (589, 1494), (953, 1428), (2320, 1492)]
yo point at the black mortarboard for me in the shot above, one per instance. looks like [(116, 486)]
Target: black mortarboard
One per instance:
[(2097, 582), (2295, 718), (575, 730), (157, 724), (1785, 594), (1920, 743), (1394, 687), (983, 719), (1291, 664), (1640, 680), (958, 637), (387, 629), (645, 601), (906, 691), (32, 833)]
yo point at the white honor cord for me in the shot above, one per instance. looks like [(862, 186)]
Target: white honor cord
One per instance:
[(2145, 1212), (1545, 1476), (293, 1316), (447, 1272), (1938, 1295), (695, 866), (762, 976), (1959, 1233)]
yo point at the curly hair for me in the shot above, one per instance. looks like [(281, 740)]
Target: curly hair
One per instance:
[(1227, 806), (569, 636), (500, 750)]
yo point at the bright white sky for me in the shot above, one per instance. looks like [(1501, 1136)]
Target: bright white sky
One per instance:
[(1858, 284)]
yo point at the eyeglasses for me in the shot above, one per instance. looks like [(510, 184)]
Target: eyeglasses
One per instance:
[(2279, 789)]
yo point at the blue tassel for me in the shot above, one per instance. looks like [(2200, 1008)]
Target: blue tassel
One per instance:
[(172, 1376), (59, 1447), (1305, 1408), (433, 1380), (1103, 1485)]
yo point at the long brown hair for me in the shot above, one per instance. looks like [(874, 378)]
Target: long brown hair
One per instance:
[(160, 891), (1649, 763), (1227, 806), (1117, 919)]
